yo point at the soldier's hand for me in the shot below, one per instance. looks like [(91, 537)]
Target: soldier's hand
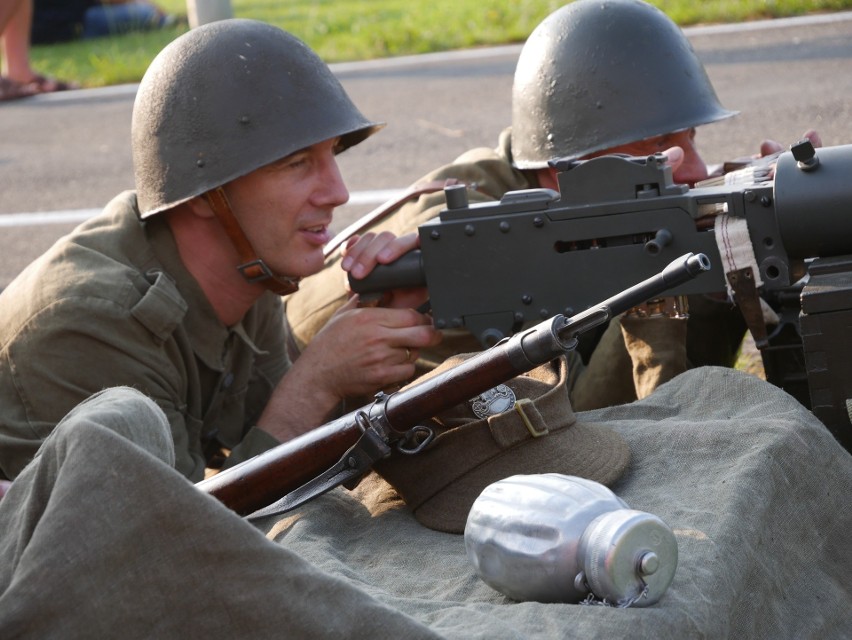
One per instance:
[(769, 147), (362, 253), (364, 350), (359, 352), (674, 156)]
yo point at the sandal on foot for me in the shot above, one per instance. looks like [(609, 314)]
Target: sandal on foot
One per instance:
[(46, 84), (11, 90)]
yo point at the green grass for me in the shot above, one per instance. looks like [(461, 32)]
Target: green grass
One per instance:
[(341, 30)]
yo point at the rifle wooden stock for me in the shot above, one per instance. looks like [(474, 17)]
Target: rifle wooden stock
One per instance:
[(262, 480), (259, 482)]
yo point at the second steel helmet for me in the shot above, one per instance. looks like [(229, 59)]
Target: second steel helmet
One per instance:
[(596, 74), (227, 98)]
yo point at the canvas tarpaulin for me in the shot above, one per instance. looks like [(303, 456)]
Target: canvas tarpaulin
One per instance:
[(101, 538)]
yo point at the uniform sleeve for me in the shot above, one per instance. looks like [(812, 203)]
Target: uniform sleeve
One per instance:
[(75, 348)]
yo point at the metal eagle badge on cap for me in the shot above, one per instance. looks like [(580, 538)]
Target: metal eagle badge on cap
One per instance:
[(492, 402)]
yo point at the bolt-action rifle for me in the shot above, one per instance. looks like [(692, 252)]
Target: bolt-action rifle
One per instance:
[(784, 244), (344, 449)]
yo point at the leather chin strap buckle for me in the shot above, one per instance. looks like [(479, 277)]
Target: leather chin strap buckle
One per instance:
[(255, 271), (252, 268)]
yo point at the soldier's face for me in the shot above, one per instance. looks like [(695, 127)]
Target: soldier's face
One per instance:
[(691, 170), (285, 208)]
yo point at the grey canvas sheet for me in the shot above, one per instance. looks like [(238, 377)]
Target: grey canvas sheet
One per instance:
[(101, 538)]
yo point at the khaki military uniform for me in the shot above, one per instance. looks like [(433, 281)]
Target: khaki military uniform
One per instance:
[(112, 304), (608, 374)]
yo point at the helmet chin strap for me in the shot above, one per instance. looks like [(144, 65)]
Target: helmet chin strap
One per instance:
[(252, 268)]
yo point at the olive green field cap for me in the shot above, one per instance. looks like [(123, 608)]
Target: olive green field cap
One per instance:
[(525, 426)]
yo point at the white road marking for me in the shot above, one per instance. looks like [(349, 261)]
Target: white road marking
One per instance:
[(74, 216)]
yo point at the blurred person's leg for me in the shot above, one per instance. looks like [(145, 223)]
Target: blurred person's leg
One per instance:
[(17, 77), (15, 21)]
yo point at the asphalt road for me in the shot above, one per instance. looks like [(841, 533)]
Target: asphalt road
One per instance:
[(64, 156)]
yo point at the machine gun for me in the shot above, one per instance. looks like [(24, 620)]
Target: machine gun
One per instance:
[(495, 267), (344, 449)]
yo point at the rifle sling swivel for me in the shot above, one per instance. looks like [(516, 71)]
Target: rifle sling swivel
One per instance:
[(353, 464)]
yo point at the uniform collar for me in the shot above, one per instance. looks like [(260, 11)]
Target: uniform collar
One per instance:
[(207, 333)]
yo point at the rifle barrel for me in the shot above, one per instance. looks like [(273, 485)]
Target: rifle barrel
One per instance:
[(262, 480)]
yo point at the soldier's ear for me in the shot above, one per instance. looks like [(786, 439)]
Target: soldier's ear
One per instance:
[(199, 206)]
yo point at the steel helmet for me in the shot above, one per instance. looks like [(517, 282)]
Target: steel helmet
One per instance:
[(227, 98), (596, 74)]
